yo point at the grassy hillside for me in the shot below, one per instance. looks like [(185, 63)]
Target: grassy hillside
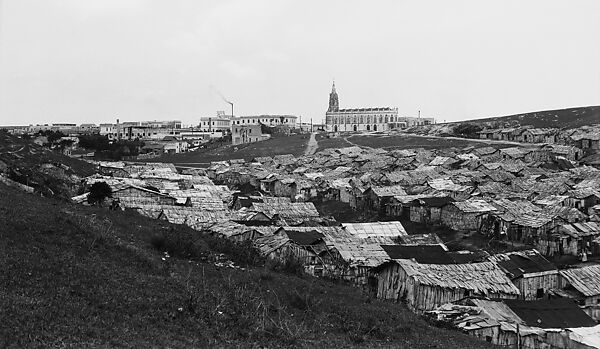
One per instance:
[(402, 141), (560, 118), (293, 144), (87, 277)]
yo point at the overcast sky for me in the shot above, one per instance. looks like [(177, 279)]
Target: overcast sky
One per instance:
[(96, 61)]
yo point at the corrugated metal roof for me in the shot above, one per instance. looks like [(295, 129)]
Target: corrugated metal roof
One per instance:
[(292, 210), (521, 263), (585, 280), (474, 206), (533, 219), (550, 313), (375, 229), (446, 184), (387, 191), (483, 278)]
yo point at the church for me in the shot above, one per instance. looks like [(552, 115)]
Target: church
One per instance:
[(359, 119)]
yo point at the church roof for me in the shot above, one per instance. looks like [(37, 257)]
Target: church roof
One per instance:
[(353, 110)]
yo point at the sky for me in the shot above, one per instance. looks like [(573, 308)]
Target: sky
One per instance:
[(84, 61)]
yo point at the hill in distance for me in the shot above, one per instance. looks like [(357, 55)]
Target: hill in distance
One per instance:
[(559, 118)]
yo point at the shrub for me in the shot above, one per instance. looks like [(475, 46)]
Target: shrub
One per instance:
[(467, 130), (289, 265), (242, 253), (99, 191), (179, 243)]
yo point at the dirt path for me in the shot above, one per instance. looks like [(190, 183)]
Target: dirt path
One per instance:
[(312, 145)]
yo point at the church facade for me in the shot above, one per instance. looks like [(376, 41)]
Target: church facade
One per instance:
[(359, 119)]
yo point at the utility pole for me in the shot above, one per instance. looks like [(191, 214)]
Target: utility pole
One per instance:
[(311, 126), (518, 336)]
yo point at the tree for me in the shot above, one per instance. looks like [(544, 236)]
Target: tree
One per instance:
[(467, 130), (53, 136), (99, 191), (65, 143)]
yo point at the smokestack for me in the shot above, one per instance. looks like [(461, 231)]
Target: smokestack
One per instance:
[(118, 130), (231, 108)]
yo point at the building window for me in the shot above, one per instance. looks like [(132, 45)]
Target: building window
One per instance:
[(539, 293)]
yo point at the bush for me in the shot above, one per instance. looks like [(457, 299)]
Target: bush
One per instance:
[(99, 191), (182, 244), (467, 130), (290, 265), (242, 253)]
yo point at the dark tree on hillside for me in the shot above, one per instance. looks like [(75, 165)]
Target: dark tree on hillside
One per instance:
[(468, 130), (99, 191), (94, 142), (53, 136)]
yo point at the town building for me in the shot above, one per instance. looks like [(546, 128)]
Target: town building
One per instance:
[(144, 130), (222, 122), (241, 134)]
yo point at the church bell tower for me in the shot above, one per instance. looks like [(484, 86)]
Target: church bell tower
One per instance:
[(334, 104)]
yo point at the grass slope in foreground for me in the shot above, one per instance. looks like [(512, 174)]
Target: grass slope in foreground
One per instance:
[(85, 277)]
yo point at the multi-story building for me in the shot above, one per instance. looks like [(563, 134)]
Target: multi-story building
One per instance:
[(219, 123), (145, 130), (223, 122), (366, 119), (269, 120), (88, 128), (241, 134), (62, 127)]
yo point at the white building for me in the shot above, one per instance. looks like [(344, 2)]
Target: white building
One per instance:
[(366, 119), (144, 130), (223, 122), (268, 120), (219, 123)]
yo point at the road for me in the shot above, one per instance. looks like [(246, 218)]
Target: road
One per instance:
[(312, 145)]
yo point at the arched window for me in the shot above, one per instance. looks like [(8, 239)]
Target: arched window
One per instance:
[(335, 128), (354, 127), (374, 127), (386, 119), (368, 127), (361, 119), (380, 119), (335, 120)]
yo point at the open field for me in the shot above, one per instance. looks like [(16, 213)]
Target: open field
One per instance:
[(403, 141), (84, 276), (278, 145), (325, 142)]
